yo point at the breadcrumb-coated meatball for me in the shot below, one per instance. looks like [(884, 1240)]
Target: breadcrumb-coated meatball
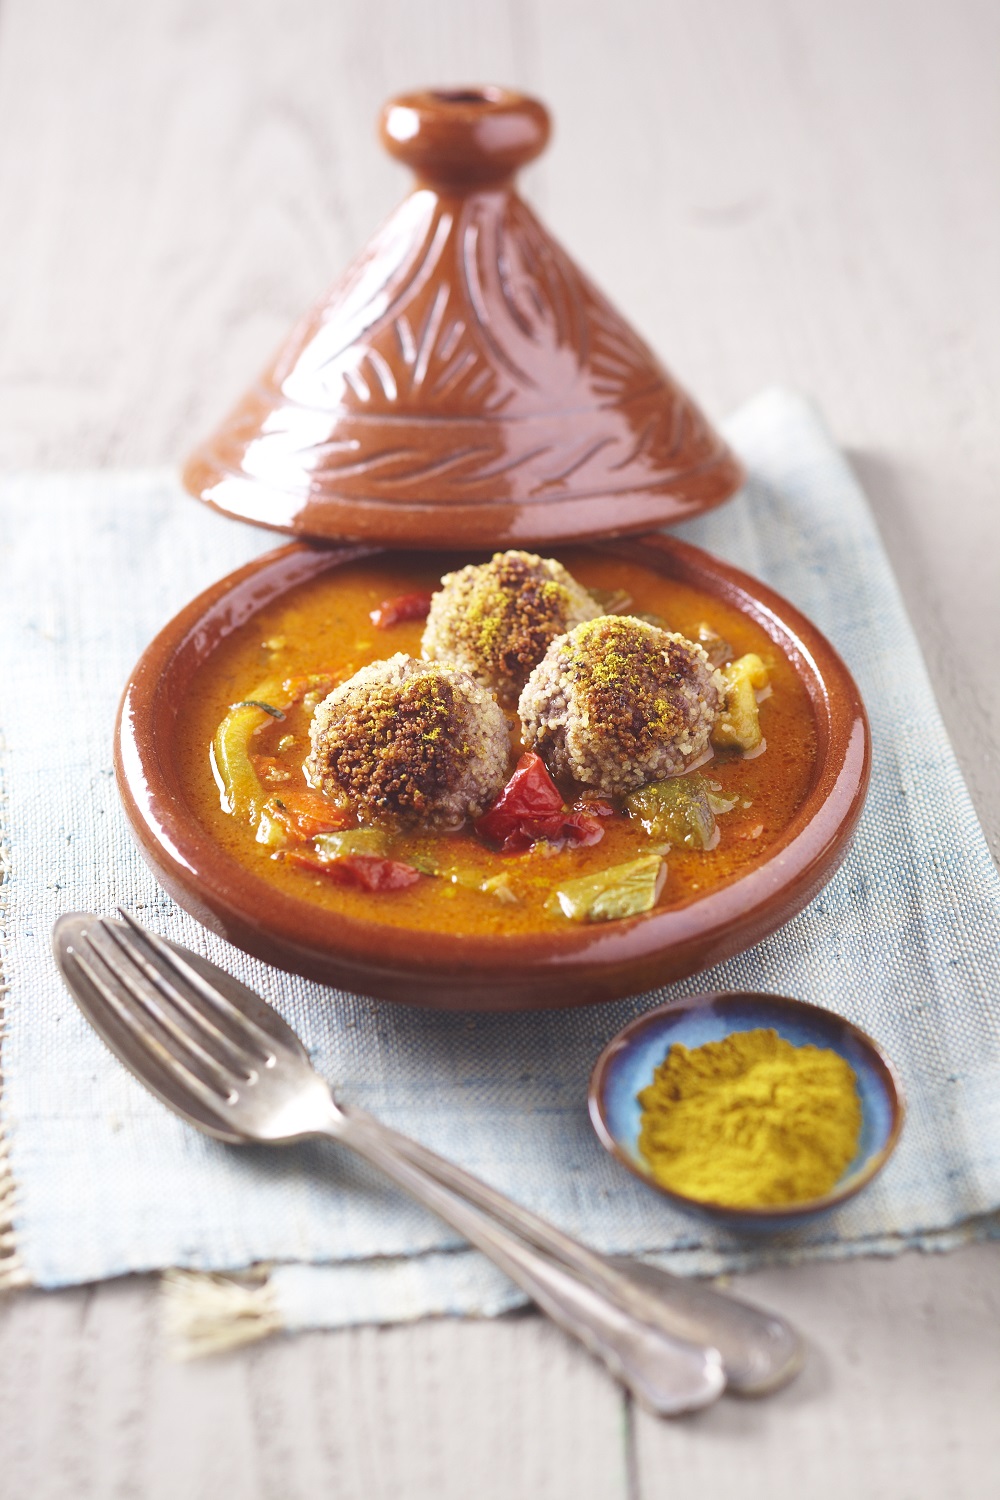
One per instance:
[(618, 702), (496, 619), (409, 743)]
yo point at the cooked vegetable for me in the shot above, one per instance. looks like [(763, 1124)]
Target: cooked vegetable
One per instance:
[(677, 810), (304, 813), (500, 887), (366, 871), (467, 876), (351, 841), (270, 832), (530, 809), (232, 761), (716, 647), (232, 747), (598, 807), (402, 607), (738, 723), (622, 891), (355, 856), (269, 708)]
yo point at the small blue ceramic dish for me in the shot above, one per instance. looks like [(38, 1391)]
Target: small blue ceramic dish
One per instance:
[(628, 1062)]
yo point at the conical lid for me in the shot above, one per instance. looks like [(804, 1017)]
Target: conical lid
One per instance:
[(464, 383)]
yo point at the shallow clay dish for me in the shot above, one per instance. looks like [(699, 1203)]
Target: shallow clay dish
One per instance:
[(499, 971), (628, 1061)]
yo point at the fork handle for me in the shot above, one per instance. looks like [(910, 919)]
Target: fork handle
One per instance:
[(760, 1350), (666, 1374)]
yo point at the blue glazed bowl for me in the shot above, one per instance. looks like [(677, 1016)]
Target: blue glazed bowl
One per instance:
[(628, 1062)]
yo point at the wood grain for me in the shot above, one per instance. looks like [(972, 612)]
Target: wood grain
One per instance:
[(893, 1404), (91, 1410), (778, 192), (897, 1403)]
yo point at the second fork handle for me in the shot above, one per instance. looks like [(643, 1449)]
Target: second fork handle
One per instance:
[(760, 1350), (668, 1375)]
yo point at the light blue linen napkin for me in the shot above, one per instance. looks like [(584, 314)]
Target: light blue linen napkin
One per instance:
[(905, 941)]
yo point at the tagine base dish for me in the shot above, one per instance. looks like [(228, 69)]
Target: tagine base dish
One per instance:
[(444, 959)]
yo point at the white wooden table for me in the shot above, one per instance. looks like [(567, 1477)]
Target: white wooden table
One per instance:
[(783, 191)]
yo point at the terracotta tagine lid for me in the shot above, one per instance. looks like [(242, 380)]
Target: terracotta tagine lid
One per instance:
[(463, 383)]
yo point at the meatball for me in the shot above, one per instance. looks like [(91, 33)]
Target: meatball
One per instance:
[(496, 619), (618, 702), (408, 743)]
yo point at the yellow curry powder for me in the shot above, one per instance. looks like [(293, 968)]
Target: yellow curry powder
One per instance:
[(750, 1121)]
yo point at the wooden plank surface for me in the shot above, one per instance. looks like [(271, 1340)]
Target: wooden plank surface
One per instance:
[(894, 1403), (779, 192), (89, 1409), (898, 1402)]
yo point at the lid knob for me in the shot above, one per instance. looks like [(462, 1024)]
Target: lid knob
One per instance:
[(464, 137)]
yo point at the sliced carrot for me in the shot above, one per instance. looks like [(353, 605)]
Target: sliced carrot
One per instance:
[(303, 813)]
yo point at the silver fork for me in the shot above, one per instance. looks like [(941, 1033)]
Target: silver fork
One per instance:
[(223, 1059)]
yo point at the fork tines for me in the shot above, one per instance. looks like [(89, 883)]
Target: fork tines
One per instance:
[(192, 1031), (209, 1006)]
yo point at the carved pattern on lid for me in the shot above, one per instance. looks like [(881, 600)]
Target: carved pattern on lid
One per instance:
[(462, 361)]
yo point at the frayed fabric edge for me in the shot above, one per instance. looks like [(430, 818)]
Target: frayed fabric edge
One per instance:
[(12, 1272), (203, 1312), (206, 1312)]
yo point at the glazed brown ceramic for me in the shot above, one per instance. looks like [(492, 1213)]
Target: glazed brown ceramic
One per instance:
[(463, 383), (454, 971)]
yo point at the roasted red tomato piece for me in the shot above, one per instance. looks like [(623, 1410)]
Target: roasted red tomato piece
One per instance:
[(368, 872), (596, 805), (403, 607), (530, 793), (580, 828), (376, 874), (304, 813), (530, 808)]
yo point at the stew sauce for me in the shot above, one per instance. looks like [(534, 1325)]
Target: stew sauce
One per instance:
[(324, 628)]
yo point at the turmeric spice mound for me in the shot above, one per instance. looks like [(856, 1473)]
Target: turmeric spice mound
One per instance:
[(750, 1121)]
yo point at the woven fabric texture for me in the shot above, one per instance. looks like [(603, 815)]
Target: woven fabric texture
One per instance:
[(904, 941)]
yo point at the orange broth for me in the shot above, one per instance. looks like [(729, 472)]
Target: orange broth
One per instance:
[(323, 626)]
